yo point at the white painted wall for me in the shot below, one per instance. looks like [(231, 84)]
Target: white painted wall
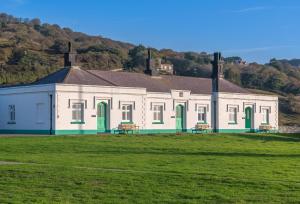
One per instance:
[(93, 95), (243, 101), (116, 96), (25, 99), (171, 100)]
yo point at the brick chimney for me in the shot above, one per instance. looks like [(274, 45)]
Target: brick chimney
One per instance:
[(217, 71), (69, 57), (150, 70)]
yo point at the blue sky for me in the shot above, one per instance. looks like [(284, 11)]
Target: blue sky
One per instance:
[(256, 30)]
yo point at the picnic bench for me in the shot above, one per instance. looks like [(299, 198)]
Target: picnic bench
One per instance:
[(201, 128), (265, 128), (127, 128)]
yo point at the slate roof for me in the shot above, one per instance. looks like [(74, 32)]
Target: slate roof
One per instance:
[(162, 83)]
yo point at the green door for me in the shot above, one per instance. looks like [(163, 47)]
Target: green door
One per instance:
[(179, 117), (101, 117), (248, 117)]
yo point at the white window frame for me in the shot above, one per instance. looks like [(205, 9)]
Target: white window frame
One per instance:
[(158, 113), (127, 110), (232, 114), (202, 114), (78, 112), (265, 115), (12, 113)]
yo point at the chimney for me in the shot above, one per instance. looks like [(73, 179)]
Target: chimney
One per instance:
[(217, 71), (69, 57), (150, 70)]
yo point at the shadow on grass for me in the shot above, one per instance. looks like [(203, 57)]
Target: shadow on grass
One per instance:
[(184, 153), (271, 137)]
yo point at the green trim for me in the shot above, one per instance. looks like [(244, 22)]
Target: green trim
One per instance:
[(236, 130), (127, 122), (39, 132), (78, 122), (202, 122), (74, 132), (11, 122), (147, 131), (157, 123), (232, 123)]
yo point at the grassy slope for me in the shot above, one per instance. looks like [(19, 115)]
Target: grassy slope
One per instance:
[(143, 169), (285, 118)]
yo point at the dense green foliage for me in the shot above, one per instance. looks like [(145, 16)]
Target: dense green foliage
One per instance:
[(242, 168), (30, 50)]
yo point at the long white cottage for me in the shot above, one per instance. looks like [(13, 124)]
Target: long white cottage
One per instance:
[(77, 101)]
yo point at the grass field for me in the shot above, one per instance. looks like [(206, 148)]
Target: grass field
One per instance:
[(241, 168)]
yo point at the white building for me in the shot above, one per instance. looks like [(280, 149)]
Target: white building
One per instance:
[(166, 67), (75, 101)]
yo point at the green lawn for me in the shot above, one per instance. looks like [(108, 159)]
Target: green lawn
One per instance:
[(210, 168)]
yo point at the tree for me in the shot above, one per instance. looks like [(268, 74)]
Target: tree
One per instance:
[(274, 83), (59, 46), (137, 58), (233, 75)]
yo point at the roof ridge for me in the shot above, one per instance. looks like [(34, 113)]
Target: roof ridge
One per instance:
[(49, 75), (114, 84), (68, 74)]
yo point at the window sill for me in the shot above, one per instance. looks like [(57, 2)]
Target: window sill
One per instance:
[(233, 123), (77, 122), (126, 122), (157, 123), (11, 122), (265, 123), (201, 122)]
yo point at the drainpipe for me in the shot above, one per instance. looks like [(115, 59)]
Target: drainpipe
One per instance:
[(51, 115)]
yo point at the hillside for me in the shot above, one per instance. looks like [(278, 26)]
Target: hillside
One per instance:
[(30, 50)]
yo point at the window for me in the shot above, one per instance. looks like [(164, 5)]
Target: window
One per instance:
[(127, 113), (265, 113), (39, 112), (201, 114), (158, 113), (232, 114), (12, 113), (78, 112)]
